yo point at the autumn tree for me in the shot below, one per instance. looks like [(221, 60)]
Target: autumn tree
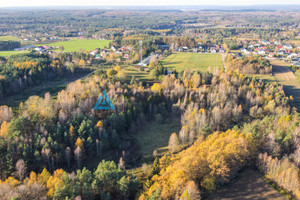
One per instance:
[(21, 169), (173, 143)]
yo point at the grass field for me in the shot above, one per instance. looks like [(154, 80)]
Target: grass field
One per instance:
[(269, 78), (286, 77), (9, 53), (140, 75), (295, 42), (155, 135), (6, 38), (194, 61), (75, 45)]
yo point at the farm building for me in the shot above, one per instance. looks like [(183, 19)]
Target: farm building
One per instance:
[(144, 62), (24, 48), (164, 47)]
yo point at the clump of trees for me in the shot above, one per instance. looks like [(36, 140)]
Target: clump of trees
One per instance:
[(281, 171), (9, 45), (249, 65), (66, 131), (202, 167), (218, 103), (107, 182), (19, 72)]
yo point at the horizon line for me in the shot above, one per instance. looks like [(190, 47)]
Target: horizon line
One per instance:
[(191, 5)]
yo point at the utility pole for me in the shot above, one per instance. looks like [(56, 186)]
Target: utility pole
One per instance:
[(141, 50)]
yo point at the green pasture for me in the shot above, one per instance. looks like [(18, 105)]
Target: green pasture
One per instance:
[(194, 61)]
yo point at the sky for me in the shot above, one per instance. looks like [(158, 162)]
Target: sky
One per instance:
[(30, 3)]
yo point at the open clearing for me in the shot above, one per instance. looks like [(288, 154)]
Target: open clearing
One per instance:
[(75, 45), (194, 61), (69, 46), (39, 90), (155, 135), (9, 37), (286, 77), (179, 62), (9, 53), (250, 185), (140, 75), (268, 78)]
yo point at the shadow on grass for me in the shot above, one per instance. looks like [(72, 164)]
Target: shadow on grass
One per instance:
[(295, 92)]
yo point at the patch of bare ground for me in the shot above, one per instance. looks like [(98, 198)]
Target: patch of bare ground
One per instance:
[(249, 185)]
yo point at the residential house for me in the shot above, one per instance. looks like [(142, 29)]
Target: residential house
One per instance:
[(265, 42), (213, 50), (94, 52), (295, 60), (185, 49), (277, 43), (261, 52), (287, 46), (251, 46), (144, 62), (222, 50), (271, 55), (164, 47), (126, 56), (291, 56), (24, 48), (104, 52), (38, 48), (114, 48), (296, 64), (46, 47)]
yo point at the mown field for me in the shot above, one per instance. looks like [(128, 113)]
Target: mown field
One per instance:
[(180, 62), (69, 46), (8, 37), (287, 78), (84, 44), (194, 61), (9, 53)]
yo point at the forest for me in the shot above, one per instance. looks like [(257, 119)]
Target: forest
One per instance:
[(249, 65), (56, 145), (19, 72), (52, 136), (9, 45)]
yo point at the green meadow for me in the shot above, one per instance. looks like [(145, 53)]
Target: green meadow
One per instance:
[(69, 46), (9, 37), (194, 61), (9, 53), (84, 44)]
